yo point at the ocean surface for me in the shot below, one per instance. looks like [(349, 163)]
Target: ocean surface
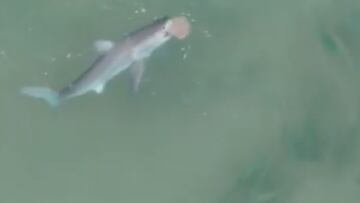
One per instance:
[(260, 104)]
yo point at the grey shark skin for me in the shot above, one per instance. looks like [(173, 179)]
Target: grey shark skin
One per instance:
[(113, 59)]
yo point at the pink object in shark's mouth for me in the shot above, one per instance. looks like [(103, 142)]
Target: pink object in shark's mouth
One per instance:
[(180, 27)]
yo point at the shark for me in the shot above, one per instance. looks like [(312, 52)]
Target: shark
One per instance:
[(115, 57)]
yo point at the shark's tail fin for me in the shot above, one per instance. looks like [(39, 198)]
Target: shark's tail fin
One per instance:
[(50, 96)]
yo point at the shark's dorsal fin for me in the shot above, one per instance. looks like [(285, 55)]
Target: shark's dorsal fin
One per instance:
[(102, 46)]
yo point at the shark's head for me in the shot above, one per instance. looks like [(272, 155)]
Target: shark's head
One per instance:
[(156, 31), (148, 38), (166, 27)]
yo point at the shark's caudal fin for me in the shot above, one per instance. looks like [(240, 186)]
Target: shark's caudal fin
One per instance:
[(50, 96)]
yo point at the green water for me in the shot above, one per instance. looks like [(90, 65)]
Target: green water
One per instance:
[(259, 105)]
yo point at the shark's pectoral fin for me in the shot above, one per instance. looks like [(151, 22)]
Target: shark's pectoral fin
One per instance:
[(136, 71), (103, 45), (99, 88)]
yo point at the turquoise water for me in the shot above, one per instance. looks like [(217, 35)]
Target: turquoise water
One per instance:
[(259, 104)]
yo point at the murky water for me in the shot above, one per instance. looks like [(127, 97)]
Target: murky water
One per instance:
[(259, 105)]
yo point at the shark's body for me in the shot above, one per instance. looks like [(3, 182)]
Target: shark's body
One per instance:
[(112, 59)]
